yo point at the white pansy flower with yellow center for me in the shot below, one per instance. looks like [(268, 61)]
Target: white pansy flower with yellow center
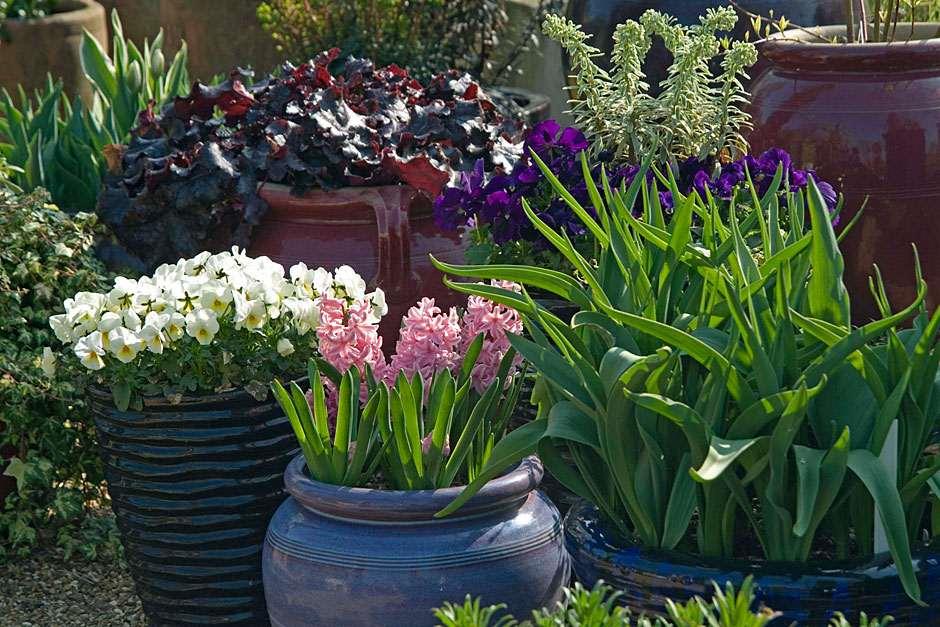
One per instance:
[(202, 325), (215, 296), (175, 327), (152, 331), (124, 344), (90, 351)]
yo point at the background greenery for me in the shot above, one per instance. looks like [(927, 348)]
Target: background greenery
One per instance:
[(46, 256)]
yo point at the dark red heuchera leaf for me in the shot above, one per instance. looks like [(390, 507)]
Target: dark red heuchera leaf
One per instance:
[(190, 175)]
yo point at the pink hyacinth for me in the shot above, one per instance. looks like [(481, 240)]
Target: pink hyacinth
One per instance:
[(428, 341), (495, 322), (348, 338)]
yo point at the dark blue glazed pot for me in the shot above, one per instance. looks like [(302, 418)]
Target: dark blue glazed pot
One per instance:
[(193, 486), (364, 557), (806, 593)]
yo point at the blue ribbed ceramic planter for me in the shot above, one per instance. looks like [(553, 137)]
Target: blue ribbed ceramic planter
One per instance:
[(360, 557), (193, 486), (808, 594)]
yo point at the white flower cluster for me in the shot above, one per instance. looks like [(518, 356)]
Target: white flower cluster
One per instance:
[(193, 298)]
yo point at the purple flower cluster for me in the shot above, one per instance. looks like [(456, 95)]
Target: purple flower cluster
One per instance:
[(497, 202), (696, 175)]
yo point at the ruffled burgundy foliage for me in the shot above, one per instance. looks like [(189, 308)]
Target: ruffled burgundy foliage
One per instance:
[(189, 178)]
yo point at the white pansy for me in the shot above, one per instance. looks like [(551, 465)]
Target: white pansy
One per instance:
[(90, 351), (216, 296), (196, 265), (202, 324), (109, 321), (249, 314), (284, 347), (379, 306), (61, 327), (353, 285), (152, 331), (304, 312), (175, 327), (132, 320), (48, 362), (124, 344)]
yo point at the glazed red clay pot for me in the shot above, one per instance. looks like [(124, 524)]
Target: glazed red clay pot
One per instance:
[(866, 116), (385, 233)]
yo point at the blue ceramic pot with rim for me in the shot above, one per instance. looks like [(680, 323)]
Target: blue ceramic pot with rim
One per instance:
[(365, 557), (808, 594)]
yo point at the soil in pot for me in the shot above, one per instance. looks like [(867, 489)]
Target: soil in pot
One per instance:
[(865, 116), (362, 557), (807, 593)]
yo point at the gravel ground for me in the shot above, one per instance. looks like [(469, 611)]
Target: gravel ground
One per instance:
[(48, 591)]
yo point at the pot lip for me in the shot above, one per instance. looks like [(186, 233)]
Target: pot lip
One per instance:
[(605, 548), (799, 49), (266, 189), (370, 505), (102, 394), (68, 12)]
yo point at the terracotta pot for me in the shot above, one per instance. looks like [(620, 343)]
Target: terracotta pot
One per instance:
[(51, 45), (866, 116), (193, 486), (360, 557), (601, 17), (807, 594), (385, 233)]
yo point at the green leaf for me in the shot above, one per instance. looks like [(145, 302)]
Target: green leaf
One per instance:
[(121, 393), (721, 454), (681, 505), (98, 67), (871, 471), (828, 298), (511, 449)]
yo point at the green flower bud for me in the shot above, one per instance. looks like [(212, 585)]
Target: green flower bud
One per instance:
[(134, 76), (157, 62)]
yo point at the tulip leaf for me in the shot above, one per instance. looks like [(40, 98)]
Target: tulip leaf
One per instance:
[(877, 480), (721, 454)]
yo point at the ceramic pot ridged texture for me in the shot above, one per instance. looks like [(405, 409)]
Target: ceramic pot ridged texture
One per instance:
[(193, 486), (360, 557), (806, 593), (867, 118)]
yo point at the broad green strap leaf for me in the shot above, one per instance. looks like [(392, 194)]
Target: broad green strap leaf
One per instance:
[(513, 448), (721, 454), (871, 471), (828, 298), (567, 422), (681, 505)]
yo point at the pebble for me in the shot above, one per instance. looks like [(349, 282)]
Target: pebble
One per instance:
[(45, 590)]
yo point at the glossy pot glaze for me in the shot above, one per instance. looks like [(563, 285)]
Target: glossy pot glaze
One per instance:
[(806, 593), (868, 117), (362, 557), (385, 233), (193, 486), (601, 17)]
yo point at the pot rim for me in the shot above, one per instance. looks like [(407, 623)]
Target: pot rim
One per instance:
[(800, 49), (375, 506), (103, 394), (67, 12), (604, 545)]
